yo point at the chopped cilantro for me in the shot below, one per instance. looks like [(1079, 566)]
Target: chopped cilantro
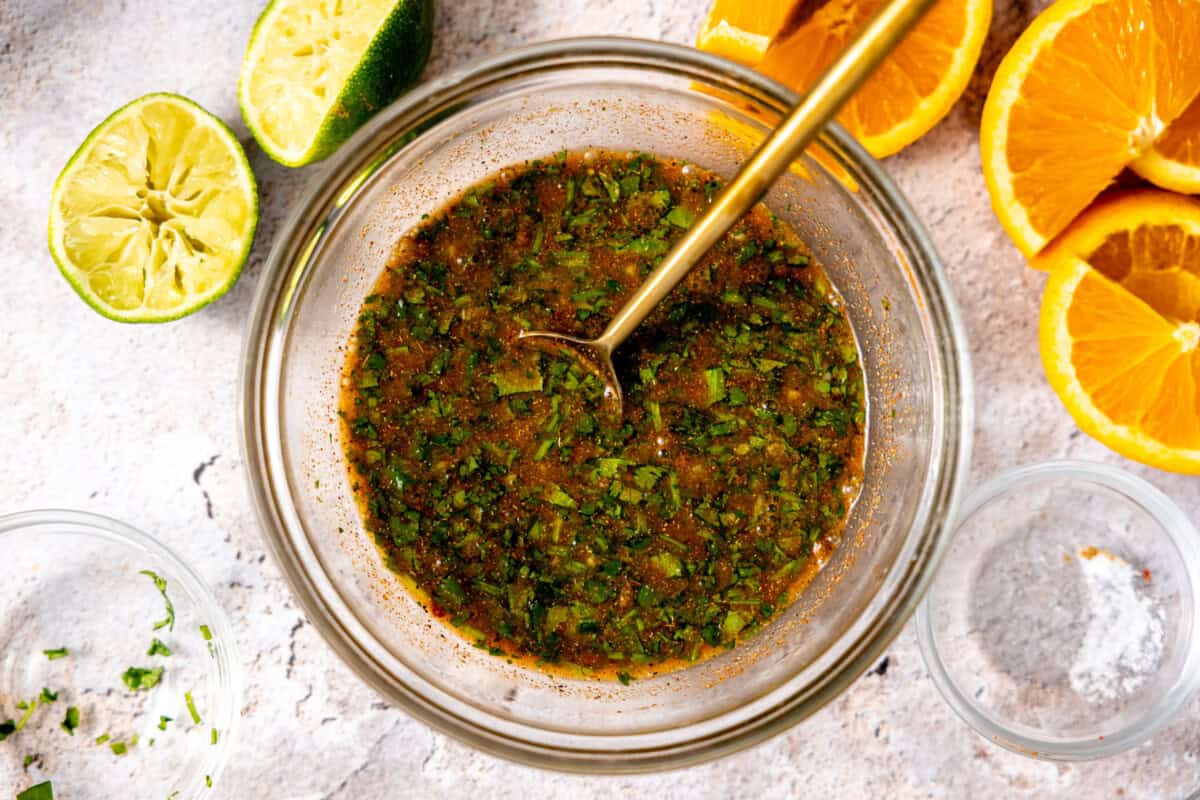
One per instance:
[(556, 496), (767, 364), (451, 590), (715, 378), (142, 678), (158, 648), (160, 583), (733, 624), (71, 720), (41, 791), (57, 653), (655, 414), (647, 476), (517, 382), (28, 706), (572, 258), (162, 722), (191, 707), (48, 696), (645, 246), (668, 564), (680, 217), (206, 633), (7, 729)]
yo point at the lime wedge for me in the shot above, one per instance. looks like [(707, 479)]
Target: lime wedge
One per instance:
[(153, 216), (315, 70)]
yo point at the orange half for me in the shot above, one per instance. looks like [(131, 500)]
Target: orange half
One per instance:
[(1120, 326), (1086, 90), (912, 90)]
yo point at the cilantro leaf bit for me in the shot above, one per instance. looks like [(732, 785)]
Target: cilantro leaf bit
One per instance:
[(556, 496), (71, 721), (160, 583), (206, 633), (647, 476), (48, 696), (56, 653), (7, 729), (41, 791), (191, 707), (28, 706), (517, 382), (715, 378), (158, 648), (102, 738), (142, 678), (680, 217), (162, 722), (668, 564)]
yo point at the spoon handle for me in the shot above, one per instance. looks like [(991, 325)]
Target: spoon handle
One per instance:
[(824, 99)]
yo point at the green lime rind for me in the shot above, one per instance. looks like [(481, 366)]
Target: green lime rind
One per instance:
[(391, 63), (76, 276)]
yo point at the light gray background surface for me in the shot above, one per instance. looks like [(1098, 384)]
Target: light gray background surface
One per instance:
[(140, 423)]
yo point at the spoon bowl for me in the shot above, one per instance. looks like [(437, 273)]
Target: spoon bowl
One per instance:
[(595, 353)]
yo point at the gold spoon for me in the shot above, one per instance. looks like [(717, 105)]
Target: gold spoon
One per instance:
[(785, 144)]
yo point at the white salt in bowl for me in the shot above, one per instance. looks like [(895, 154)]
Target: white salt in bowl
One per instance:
[(1062, 622)]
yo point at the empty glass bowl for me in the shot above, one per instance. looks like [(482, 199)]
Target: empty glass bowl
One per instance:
[(76, 613), (616, 94), (1062, 623)]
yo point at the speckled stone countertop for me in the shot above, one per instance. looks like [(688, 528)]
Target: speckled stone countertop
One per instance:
[(140, 423)]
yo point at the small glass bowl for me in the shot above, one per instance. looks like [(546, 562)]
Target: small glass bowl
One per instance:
[(73, 580), (1062, 622)]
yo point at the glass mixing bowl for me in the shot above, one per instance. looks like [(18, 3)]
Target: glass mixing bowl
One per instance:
[(624, 95)]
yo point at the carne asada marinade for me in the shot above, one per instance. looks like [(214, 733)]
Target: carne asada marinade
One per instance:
[(497, 479)]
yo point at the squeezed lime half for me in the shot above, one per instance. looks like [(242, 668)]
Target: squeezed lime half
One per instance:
[(316, 70), (154, 215)]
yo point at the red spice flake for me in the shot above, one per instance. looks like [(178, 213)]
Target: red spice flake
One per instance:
[(1146, 575)]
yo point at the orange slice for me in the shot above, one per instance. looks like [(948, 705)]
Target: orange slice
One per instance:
[(1138, 230), (1120, 326), (1085, 91), (741, 30), (1174, 161), (914, 88)]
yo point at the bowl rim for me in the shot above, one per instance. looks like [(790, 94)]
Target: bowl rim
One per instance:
[(319, 209), (225, 655), (1172, 522)]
